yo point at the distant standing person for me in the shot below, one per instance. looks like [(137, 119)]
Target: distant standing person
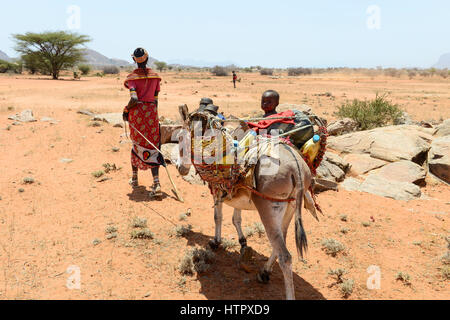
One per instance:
[(142, 114), (234, 79)]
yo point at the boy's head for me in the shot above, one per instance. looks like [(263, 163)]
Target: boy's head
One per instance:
[(270, 101)]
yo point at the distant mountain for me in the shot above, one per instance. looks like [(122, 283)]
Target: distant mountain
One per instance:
[(444, 62), (4, 56), (96, 59)]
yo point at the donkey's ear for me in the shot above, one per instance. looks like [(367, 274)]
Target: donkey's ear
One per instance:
[(184, 112)]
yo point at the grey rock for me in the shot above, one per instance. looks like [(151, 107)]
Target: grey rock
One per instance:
[(363, 163), (342, 126), (335, 159), (375, 184), (439, 158), (391, 143), (48, 119), (65, 160), (443, 129), (24, 116), (321, 185), (403, 171), (331, 172), (115, 119), (86, 113), (350, 184)]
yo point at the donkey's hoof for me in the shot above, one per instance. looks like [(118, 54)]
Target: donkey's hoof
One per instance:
[(263, 277), (246, 254), (213, 244)]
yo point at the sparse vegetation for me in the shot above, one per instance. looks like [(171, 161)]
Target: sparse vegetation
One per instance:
[(98, 174), (110, 70), (343, 217), (85, 69), (338, 274), (403, 277), (445, 272), (371, 114), (183, 230), (219, 71), (229, 244), (347, 287), (142, 234), (160, 65), (266, 72), (332, 246), (138, 222), (28, 180), (196, 260), (299, 71)]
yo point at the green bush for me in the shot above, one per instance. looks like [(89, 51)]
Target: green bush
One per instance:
[(299, 71), (85, 69), (111, 70), (219, 71), (371, 114), (6, 66), (266, 72)]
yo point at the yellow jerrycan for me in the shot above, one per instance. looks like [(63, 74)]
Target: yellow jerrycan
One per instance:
[(311, 148)]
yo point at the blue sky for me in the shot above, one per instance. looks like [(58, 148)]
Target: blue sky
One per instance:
[(281, 33)]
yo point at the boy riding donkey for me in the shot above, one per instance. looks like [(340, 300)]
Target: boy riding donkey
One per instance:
[(142, 115)]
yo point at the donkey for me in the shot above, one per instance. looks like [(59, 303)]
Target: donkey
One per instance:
[(291, 181)]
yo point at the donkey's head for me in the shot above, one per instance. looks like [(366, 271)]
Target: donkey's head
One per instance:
[(195, 124)]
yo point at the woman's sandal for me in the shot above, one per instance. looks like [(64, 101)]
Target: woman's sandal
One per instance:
[(155, 191), (133, 182)]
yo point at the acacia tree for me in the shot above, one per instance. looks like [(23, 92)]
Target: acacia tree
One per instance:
[(160, 65), (51, 51)]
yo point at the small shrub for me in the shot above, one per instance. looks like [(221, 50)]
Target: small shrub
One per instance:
[(343, 217), (403, 277), (85, 69), (182, 231), (111, 229), (371, 114), (332, 247), (338, 274), (229, 244), (219, 71), (445, 259), (112, 235), (299, 71), (445, 272), (98, 174), (391, 72), (366, 224), (266, 72), (344, 230), (196, 260), (183, 217), (111, 70), (28, 180), (142, 234), (347, 287)]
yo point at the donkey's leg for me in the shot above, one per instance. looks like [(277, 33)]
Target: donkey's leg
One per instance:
[(272, 215), (215, 244), (237, 222), (264, 275), (246, 252)]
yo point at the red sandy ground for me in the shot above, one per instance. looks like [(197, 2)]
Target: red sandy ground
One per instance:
[(52, 224)]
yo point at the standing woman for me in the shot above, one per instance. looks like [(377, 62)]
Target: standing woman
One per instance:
[(142, 114)]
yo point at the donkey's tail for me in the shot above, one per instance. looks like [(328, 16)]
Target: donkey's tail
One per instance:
[(300, 234)]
